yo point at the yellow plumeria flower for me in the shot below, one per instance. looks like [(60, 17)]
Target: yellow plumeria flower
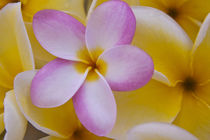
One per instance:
[(188, 13), (15, 56), (179, 91), (61, 123)]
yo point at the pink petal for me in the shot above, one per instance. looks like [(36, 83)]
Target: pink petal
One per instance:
[(126, 67), (59, 33), (56, 83), (95, 106), (111, 23)]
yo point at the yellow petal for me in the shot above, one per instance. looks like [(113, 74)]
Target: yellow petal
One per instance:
[(194, 116), (159, 131), (41, 56), (2, 95), (196, 9), (15, 122), (30, 7), (201, 51), (15, 53), (203, 92), (164, 40), (60, 121), (190, 25), (1, 122), (153, 102)]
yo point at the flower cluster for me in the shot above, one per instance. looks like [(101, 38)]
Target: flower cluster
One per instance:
[(105, 69)]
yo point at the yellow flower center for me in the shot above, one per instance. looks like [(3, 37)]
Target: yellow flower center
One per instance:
[(189, 84)]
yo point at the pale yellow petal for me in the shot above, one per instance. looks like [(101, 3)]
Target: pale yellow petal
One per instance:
[(153, 102), (164, 40), (194, 116), (30, 7), (159, 131), (201, 51), (15, 122), (15, 53), (41, 56), (60, 121), (1, 122)]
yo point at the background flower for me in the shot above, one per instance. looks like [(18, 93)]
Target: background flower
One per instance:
[(15, 56), (178, 92)]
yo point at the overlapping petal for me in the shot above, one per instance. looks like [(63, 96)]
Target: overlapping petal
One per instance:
[(201, 50), (112, 23), (1, 123), (194, 116), (95, 106), (56, 83), (15, 122), (159, 131), (16, 54), (164, 40), (60, 121), (60, 34), (153, 102), (125, 67)]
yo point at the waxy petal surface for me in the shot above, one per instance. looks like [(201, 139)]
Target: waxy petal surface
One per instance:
[(112, 23), (95, 106), (56, 83), (153, 102), (60, 121), (15, 122), (126, 67), (16, 54), (194, 116), (201, 51), (59, 33), (164, 40), (159, 131)]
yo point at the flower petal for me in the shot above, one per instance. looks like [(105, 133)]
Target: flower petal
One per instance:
[(30, 7), (16, 54), (159, 131), (196, 9), (112, 23), (1, 122), (15, 122), (126, 67), (201, 50), (60, 34), (41, 56), (60, 121), (161, 37), (153, 102), (56, 83), (95, 106), (194, 116)]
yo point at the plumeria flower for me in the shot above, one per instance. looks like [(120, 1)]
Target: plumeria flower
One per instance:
[(16, 56), (158, 131), (91, 62), (179, 90), (188, 13)]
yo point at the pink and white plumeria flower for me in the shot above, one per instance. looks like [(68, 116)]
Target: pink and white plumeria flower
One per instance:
[(91, 62)]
